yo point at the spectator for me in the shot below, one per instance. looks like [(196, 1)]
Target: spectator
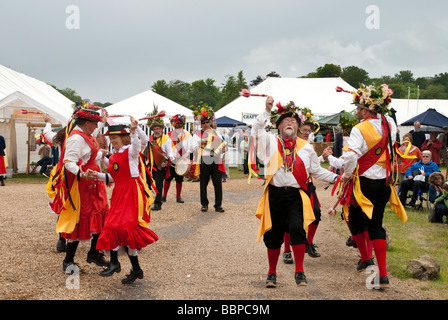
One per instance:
[(45, 159), (441, 204), (444, 139), (2, 161), (407, 154), (435, 180), (319, 137), (416, 178), (434, 145), (244, 146), (418, 136)]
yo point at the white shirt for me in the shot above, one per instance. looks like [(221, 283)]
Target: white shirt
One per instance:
[(214, 145), (266, 144), (166, 147), (357, 147)]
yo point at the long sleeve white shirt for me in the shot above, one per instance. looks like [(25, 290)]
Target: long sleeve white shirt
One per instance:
[(357, 147), (266, 145)]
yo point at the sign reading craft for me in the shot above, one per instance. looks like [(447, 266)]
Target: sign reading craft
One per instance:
[(25, 115)]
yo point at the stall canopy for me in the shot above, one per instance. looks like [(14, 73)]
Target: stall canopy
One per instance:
[(429, 118), (228, 122), (332, 120)]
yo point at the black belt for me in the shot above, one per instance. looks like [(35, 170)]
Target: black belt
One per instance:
[(283, 188)]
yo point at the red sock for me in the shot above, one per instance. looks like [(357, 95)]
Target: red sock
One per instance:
[(380, 247), (369, 244), (178, 189), (166, 187), (273, 255), (312, 228), (287, 240), (361, 243), (299, 255)]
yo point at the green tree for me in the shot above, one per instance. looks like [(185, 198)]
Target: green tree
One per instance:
[(405, 76), (329, 70), (354, 76), (206, 91), (231, 89), (434, 91)]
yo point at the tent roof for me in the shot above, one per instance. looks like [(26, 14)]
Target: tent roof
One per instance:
[(429, 118), (18, 90), (317, 94), (332, 120), (225, 121), (141, 104)]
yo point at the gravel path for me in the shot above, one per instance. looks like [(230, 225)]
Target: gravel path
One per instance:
[(200, 256)]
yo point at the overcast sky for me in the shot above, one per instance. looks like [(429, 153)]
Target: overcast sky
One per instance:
[(122, 47)]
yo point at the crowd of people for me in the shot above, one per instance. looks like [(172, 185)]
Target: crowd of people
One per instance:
[(142, 168)]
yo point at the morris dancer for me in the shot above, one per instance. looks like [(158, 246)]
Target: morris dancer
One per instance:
[(208, 147), (285, 205), (126, 225), (85, 201), (368, 166), (181, 141), (156, 124)]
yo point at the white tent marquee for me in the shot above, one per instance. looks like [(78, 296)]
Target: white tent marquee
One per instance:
[(24, 101), (317, 94), (139, 105)]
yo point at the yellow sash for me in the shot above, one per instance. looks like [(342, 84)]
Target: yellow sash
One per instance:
[(372, 137), (263, 211), (69, 216)]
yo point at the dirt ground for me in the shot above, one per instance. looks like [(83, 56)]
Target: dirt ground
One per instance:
[(200, 256)]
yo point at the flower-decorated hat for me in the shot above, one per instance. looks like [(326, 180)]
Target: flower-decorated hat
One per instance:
[(120, 129), (373, 97), (178, 120), (86, 111), (203, 112), (308, 118), (288, 110), (155, 119)]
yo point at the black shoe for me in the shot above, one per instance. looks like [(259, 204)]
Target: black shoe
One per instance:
[(351, 243), (156, 207), (300, 278), (179, 200), (111, 269), (163, 199), (61, 246), (311, 250), (204, 208), (380, 283), (287, 257), (364, 264), (97, 258), (72, 266), (219, 209), (271, 281), (130, 278)]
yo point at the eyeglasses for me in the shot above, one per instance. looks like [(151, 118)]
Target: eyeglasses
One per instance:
[(205, 122), (426, 156), (289, 121), (306, 130)]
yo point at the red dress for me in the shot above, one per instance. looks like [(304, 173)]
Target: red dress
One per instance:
[(122, 226), (93, 195)]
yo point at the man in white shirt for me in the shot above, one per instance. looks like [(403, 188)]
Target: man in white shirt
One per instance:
[(285, 205), (181, 143), (368, 159), (164, 142)]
